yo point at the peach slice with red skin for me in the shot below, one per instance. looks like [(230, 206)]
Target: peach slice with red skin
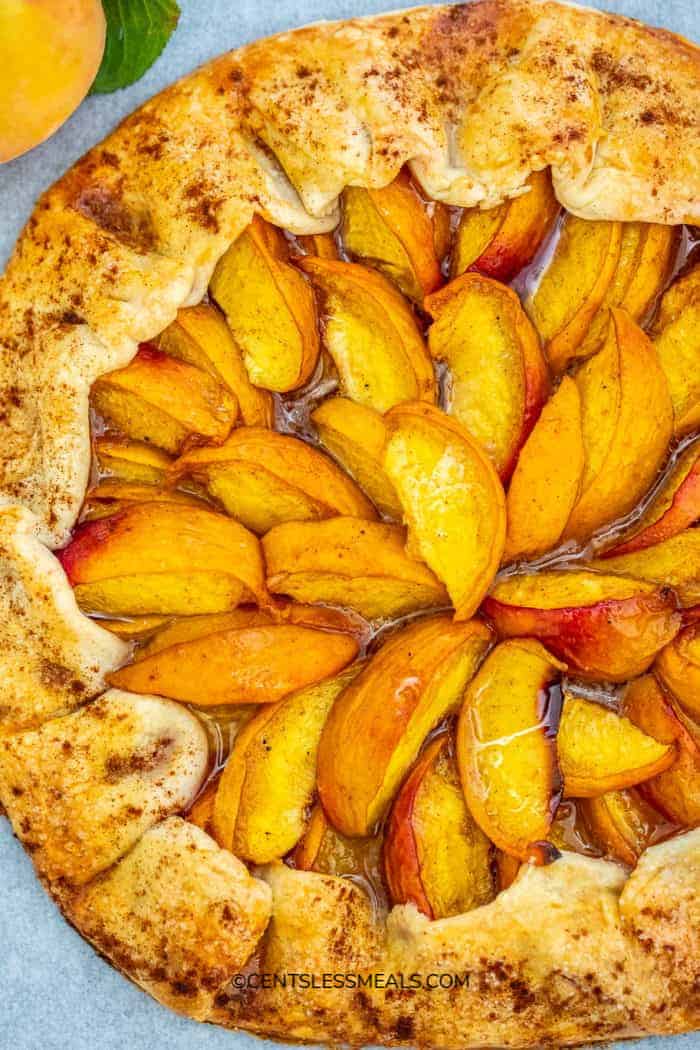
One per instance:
[(674, 562), (498, 376), (600, 750), (371, 335), (499, 242), (355, 435), (200, 336), (573, 286), (676, 791), (51, 53), (261, 804), (246, 658), (604, 627), (674, 508), (453, 500), (547, 477), (678, 668), (627, 421), (379, 722), (357, 564), (435, 855), (505, 746), (270, 308), (263, 479), (163, 558), (391, 229), (621, 822), (165, 402)]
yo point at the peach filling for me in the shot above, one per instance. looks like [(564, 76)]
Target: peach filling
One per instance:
[(407, 514)]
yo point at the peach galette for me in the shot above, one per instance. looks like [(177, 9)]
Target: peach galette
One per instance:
[(382, 537)]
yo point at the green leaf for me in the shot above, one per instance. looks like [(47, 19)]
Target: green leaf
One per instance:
[(137, 32)]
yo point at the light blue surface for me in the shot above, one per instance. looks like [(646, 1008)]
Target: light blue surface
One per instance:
[(55, 992)]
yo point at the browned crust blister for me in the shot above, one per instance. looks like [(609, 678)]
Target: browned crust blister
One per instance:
[(474, 97)]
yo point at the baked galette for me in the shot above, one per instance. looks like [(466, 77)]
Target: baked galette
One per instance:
[(350, 473)]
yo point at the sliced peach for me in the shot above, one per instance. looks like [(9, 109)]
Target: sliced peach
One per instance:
[(498, 379), (678, 667), (136, 628), (163, 558), (441, 219), (627, 420), (507, 868), (647, 251), (378, 724), (263, 478), (250, 662), (675, 506), (322, 848), (435, 854), (51, 51), (193, 628), (358, 564), (321, 245), (110, 496), (201, 337), (681, 293), (604, 627), (505, 746), (164, 401), (308, 847), (676, 791), (453, 501), (267, 784), (270, 308), (356, 435), (621, 822), (677, 340), (131, 460), (573, 286), (499, 242), (371, 335), (202, 809), (673, 563), (600, 750), (391, 230), (689, 722), (547, 477)]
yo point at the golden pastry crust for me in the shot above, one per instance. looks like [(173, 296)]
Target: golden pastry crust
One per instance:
[(474, 98), (82, 789), (177, 913), (567, 954), (52, 657)]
